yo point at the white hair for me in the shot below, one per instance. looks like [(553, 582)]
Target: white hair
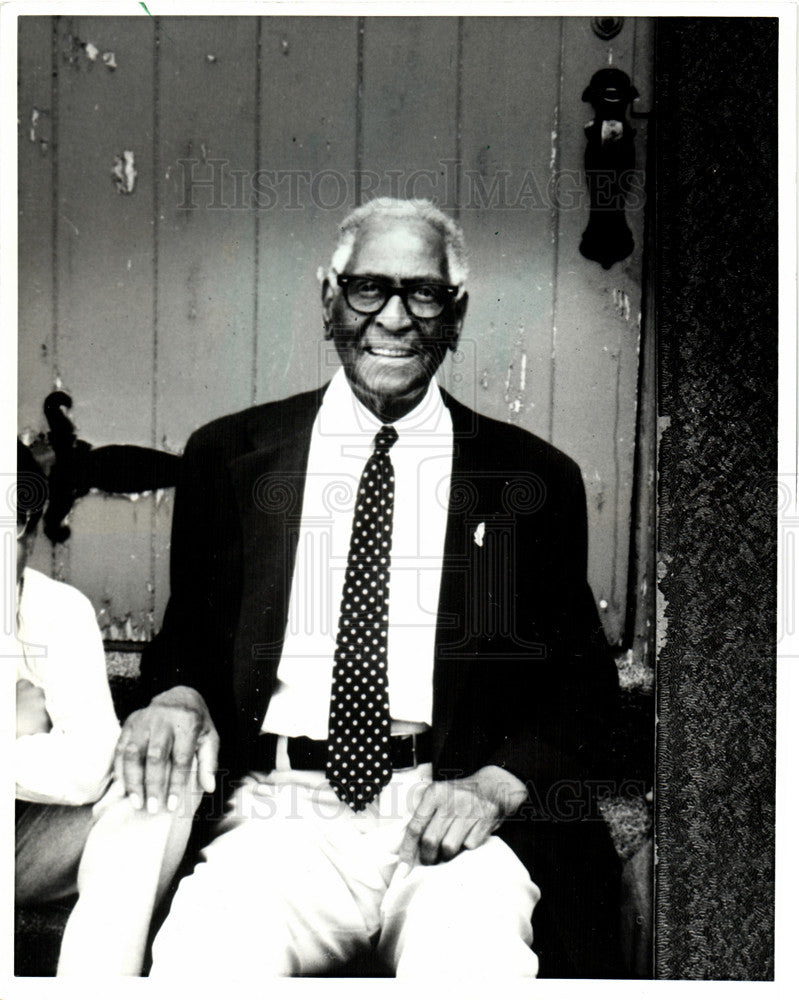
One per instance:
[(395, 208)]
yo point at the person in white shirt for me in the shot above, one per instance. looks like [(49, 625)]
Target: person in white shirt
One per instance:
[(66, 726), (66, 840)]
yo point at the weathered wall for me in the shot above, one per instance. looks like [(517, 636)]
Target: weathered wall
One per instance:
[(156, 315)]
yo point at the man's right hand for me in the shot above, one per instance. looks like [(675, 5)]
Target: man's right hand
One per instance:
[(157, 746)]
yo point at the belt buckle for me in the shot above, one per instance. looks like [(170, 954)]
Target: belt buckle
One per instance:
[(414, 759)]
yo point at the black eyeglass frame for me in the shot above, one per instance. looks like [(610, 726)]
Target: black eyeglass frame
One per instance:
[(403, 290)]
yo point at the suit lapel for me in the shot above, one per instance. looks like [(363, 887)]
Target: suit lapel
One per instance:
[(269, 484), (468, 505)]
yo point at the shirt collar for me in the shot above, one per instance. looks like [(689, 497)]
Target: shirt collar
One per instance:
[(342, 413)]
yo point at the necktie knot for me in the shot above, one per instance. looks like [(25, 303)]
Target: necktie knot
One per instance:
[(385, 438)]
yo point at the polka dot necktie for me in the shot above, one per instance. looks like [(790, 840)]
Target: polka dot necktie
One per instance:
[(358, 751)]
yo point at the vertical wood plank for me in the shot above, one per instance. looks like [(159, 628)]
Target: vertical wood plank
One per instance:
[(597, 329), (105, 294), (509, 141), (110, 562), (410, 123), (105, 275), (37, 165), (206, 117), (35, 235), (159, 565), (309, 85), (205, 234), (642, 572), (410, 98)]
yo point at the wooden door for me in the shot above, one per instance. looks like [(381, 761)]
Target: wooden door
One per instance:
[(188, 289)]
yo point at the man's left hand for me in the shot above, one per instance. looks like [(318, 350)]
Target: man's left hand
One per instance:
[(461, 814)]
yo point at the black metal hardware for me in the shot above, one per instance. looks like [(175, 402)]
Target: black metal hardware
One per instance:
[(607, 27), (609, 166), (76, 467)]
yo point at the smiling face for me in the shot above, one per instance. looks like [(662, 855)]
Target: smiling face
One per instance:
[(390, 357)]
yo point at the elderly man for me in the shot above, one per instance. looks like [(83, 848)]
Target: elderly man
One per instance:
[(379, 615)]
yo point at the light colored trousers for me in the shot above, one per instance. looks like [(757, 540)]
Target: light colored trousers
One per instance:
[(120, 860), (296, 883)]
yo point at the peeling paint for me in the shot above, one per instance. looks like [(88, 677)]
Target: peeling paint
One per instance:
[(71, 223), (284, 47), (91, 50), (120, 627), (110, 60), (621, 301), (72, 50), (37, 114), (484, 379), (661, 604), (173, 449), (210, 58), (514, 391), (124, 172), (553, 153), (597, 491), (635, 674)]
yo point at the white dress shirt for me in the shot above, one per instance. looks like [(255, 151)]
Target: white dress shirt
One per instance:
[(341, 443), (59, 649)]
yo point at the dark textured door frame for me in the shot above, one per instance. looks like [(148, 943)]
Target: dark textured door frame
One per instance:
[(716, 305)]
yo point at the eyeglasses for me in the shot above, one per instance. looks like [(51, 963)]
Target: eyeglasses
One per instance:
[(422, 299)]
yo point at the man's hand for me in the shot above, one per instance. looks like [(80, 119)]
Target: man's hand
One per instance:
[(32, 715), (458, 815), (157, 745)]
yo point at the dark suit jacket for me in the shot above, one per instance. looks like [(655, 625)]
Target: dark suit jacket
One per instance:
[(522, 676)]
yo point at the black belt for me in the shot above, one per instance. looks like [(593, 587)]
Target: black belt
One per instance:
[(407, 750)]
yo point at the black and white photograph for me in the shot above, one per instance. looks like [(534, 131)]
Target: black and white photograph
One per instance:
[(399, 511)]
